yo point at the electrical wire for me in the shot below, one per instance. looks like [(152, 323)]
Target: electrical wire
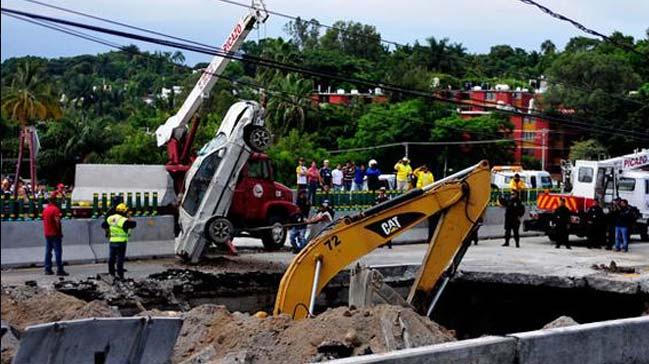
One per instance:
[(291, 17), (293, 68), (583, 28)]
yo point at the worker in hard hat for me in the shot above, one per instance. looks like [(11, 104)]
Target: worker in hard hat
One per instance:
[(404, 170), (118, 226)]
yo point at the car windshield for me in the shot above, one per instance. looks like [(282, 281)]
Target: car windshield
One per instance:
[(213, 144), (201, 181)]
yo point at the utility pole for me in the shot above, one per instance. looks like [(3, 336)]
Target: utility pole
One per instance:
[(406, 147), (544, 143)]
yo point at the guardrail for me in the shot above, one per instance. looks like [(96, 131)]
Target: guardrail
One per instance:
[(140, 204), (359, 200)]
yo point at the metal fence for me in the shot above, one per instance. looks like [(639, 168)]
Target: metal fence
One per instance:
[(140, 204), (359, 200)]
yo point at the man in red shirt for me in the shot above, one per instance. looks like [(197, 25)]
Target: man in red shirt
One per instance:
[(53, 237)]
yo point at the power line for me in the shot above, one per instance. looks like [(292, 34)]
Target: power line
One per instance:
[(581, 27), (314, 22), (293, 68), (296, 18)]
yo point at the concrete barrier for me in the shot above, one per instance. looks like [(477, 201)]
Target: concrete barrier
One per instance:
[(623, 341), (153, 237), (100, 340), (619, 341), (23, 243)]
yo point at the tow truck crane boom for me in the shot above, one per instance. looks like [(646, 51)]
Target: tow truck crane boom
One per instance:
[(173, 132), (452, 205)]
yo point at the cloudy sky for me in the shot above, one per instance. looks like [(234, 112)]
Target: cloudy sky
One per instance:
[(477, 24)]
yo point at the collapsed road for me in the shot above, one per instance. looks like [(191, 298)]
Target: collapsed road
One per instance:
[(497, 291)]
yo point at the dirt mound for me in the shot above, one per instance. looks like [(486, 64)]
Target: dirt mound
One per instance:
[(562, 321), (212, 333), (24, 306)]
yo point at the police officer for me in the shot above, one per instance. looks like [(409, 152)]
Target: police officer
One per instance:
[(596, 221), (562, 221), (514, 210), (118, 226)]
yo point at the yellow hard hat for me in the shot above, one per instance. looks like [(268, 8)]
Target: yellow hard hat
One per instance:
[(121, 208)]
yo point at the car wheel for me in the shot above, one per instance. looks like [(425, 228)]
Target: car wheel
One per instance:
[(258, 138), (219, 230), (274, 237)]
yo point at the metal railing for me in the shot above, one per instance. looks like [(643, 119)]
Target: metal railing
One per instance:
[(21, 209), (360, 200)]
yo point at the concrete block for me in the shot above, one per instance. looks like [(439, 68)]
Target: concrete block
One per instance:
[(153, 237), (609, 342), (23, 242), (118, 178), (104, 340), (484, 350)]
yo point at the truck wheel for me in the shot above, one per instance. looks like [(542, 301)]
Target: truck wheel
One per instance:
[(275, 237), (219, 230), (257, 137)]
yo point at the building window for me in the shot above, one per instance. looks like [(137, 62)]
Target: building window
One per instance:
[(585, 174), (490, 96), (528, 120), (528, 135), (518, 95)]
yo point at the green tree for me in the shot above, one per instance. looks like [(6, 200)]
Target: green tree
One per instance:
[(589, 149), (288, 103)]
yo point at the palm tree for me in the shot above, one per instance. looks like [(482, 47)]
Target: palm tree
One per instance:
[(29, 99), (288, 102)]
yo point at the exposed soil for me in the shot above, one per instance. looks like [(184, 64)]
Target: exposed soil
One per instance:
[(24, 306), (212, 332)]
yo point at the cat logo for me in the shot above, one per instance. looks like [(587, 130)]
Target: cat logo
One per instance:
[(394, 224), (391, 225)]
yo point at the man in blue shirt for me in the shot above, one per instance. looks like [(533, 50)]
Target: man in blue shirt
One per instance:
[(359, 174)]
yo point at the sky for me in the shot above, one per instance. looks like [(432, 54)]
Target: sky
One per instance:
[(477, 24)]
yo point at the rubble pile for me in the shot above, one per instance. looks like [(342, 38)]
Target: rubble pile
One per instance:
[(211, 333), (24, 306), (613, 268), (561, 321)]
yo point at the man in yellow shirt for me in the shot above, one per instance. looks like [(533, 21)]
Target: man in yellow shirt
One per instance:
[(424, 177), (404, 171), (517, 184)]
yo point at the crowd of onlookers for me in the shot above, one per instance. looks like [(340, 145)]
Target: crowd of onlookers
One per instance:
[(354, 176), (25, 191)]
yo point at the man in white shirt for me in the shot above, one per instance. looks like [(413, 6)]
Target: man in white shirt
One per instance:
[(337, 178)]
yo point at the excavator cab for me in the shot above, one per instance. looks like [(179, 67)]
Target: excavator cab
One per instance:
[(452, 207)]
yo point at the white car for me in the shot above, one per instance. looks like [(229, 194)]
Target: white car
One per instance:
[(211, 180)]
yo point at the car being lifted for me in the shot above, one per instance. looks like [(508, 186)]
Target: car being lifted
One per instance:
[(229, 190)]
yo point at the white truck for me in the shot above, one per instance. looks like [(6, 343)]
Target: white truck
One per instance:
[(586, 182)]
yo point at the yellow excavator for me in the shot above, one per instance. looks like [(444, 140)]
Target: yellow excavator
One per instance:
[(452, 207)]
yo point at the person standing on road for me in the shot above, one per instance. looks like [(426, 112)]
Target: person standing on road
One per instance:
[(424, 177), (300, 172), (404, 170), (514, 211), (297, 233), (623, 221), (348, 175), (326, 178), (562, 222), (596, 226), (518, 185), (118, 226), (313, 178), (373, 174), (337, 178), (53, 237), (359, 175)]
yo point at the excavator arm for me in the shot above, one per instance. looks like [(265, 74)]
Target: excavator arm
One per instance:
[(457, 201)]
